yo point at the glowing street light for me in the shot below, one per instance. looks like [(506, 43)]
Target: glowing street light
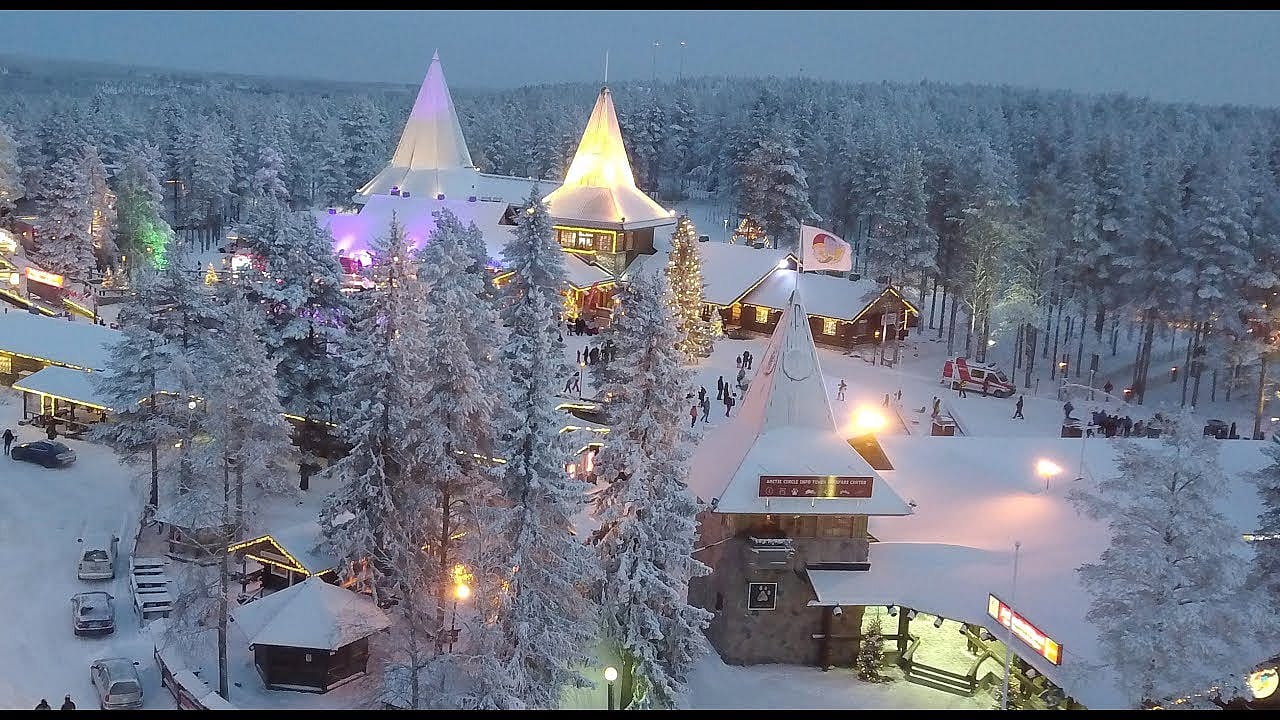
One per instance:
[(1047, 469), (610, 675), (461, 591), (868, 420)]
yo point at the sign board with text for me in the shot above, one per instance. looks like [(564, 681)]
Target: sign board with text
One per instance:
[(46, 278), (762, 596), (815, 486), (1048, 648)]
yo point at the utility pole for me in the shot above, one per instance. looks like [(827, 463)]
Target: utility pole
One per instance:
[(681, 75), (654, 76)]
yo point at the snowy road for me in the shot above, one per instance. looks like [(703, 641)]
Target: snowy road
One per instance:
[(43, 515)]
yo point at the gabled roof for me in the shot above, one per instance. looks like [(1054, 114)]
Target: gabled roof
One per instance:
[(785, 427), (599, 188), (311, 614), (825, 295), (432, 137), (77, 344), (730, 270)]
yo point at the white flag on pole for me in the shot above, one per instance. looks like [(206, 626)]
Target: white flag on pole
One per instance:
[(822, 250)]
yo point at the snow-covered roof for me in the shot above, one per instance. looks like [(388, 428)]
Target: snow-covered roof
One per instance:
[(65, 383), (785, 427), (974, 497), (582, 274), (729, 271), (599, 188), (76, 343), (303, 542), (432, 156), (824, 295), (311, 614)]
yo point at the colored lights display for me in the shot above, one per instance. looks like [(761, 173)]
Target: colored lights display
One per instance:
[(1048, 648)]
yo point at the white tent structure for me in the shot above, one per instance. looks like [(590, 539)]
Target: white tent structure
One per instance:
[(432, 158), (785, 428), (599, 189)]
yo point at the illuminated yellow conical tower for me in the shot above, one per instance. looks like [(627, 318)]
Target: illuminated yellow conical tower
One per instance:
[(599, 210)]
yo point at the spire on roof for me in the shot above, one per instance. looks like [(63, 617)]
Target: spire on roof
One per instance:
[(789, 391), (432, 138), (599, 185)]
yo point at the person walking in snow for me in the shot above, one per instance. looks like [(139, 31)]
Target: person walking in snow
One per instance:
[(577, 383), (1017, 409), (720, 388), (960, 389), (729, 402), (595, 355), (706, 408), (702, 395), (8, 440), (746, 359), (67, 704), (986, 385), (693, 415), (937, 406), (1067, 407), (737, 362), (1108, 387), (840, 390)]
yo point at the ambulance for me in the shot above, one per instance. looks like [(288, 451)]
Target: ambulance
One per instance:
[(974, 375)]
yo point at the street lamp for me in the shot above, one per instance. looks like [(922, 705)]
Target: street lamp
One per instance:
[(1008, 637), (867, 420), (1047, 469), (610, 675), (460, 592)]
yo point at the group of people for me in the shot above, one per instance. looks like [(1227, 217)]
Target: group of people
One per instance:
[(1113, 425), (744, 361), (578, 326), (66, 704), (725, 394), (598, 354)]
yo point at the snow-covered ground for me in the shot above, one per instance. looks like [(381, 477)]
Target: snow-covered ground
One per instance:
[(44, 513)]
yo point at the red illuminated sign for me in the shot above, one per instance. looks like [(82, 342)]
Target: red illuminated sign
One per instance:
[(47, 278), (823, 486), (1025, 631)]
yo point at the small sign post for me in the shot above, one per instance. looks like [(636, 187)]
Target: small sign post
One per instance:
[(762, 596)]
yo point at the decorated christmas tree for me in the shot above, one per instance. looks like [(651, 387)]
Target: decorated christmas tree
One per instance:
[(684, 273), (210, 275), (870, 652)]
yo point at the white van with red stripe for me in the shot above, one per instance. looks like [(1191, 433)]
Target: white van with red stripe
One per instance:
[(974, 375)]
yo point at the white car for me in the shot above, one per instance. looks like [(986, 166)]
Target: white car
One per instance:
[(98, 563), (118, 684)]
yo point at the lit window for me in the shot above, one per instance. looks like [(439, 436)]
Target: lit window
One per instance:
[(762, 315), (735, 312), (828, 326)]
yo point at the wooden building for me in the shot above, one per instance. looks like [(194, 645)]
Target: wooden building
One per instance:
[(598, 212), (311, 636), (284, 558), (785, 493)]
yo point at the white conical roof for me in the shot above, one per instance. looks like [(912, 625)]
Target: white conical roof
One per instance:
[(786, 428), (432, 138), (599, 187)]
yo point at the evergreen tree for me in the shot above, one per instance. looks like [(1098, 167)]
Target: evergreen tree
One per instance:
[(137, 365), (65, 243), (142, 233), (774, 189), (1266, 549), (1156, 591), (360, 127), (11, 186), (102, 225), (547, 624), (684, 273), (268, 180), (870, 652), (646, 512)]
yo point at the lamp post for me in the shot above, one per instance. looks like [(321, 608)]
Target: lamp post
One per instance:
[(681, 75), (1008, 636), (656, 45), (610, 675), (460, 592), (1047, 469), (868, 420)]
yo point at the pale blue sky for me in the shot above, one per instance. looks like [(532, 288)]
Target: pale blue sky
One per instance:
[(1211, 57)]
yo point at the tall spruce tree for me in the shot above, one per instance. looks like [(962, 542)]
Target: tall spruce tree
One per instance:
[(684, 273), (102, 208), (645, 510), (12, 188), (547, 623), (65, 243), (1156, 591)]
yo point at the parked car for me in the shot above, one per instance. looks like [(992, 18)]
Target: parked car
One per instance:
[(44, 452), (97, 563), (117, 682), (93, 613)]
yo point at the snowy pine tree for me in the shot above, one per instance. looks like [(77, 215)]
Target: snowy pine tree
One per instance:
[(65, 243), (774, 189), (871, 652), (142, 232), (548, 625), (1157, 590), (684, 273), (11, 186), (646, 512), (268, 179), (102, 225), (1266, 548)]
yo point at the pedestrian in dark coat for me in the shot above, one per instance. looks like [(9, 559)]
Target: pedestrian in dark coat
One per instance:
[(746, 359), (44, 705), (706, 408), (1017, 409), (729, 402), (693, 415), (8, 440), (702, 395), (737, 362), (986, 385), (595, 355), (1108, 387), (67, 704), (720, 388), (578, 361)]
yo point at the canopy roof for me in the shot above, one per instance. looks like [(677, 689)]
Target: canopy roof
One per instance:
[(77, 344), (64, 384), (599, 188), (311, 614), (786, 427)]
